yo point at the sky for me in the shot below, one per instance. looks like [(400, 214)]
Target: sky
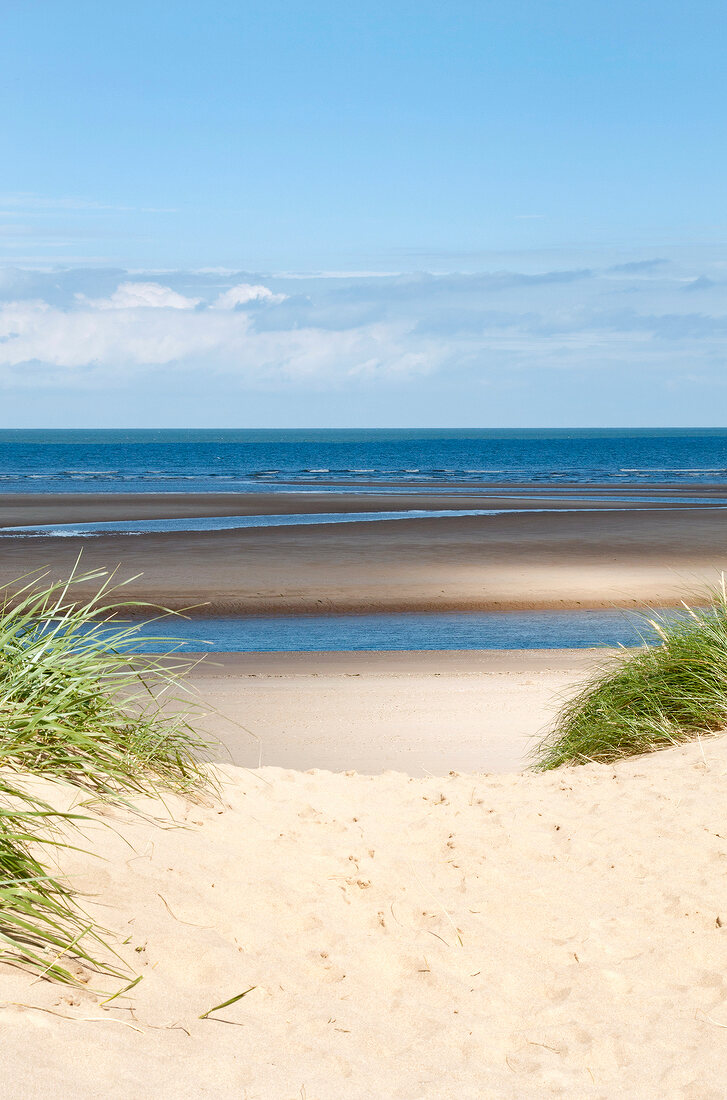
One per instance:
[(279, 214)]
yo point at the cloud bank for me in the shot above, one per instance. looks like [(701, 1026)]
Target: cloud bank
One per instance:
[(74, 327)]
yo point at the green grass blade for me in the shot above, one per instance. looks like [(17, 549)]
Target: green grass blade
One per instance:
[(225, 1004)]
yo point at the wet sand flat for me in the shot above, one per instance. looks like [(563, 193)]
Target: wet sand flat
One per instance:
[(34, 508), (631, 556)]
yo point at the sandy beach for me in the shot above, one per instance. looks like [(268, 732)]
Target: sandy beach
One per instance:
[(468, 936), (619, 555), (363, 551), (412, 914), (423, 713)]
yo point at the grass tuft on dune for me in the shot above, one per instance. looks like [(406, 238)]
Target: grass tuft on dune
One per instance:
[(81, 705), (664, 695)]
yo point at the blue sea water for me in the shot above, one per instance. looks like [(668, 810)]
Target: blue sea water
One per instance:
[(249, 460), (45, 461), (407, 630)]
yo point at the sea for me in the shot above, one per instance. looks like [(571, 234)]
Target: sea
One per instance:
[(409, 630), (249, 460), (348, 460)]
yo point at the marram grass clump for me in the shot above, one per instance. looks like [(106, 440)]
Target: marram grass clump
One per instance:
[(80, 704), (664, 695), (41, 923)]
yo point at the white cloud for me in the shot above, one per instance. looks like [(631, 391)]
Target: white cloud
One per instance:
[(243, 293), (141, 296), (89, 342), (86, 327)]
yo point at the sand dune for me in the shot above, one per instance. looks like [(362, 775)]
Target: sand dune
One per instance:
[(466, 937)]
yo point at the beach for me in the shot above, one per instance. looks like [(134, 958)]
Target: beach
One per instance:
[(363, 551), (610, 553), (408, 910), (423, 713), (459, 936)]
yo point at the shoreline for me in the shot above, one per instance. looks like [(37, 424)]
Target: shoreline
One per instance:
[(511, 561), (224, 664), (19, 508), (539, 555)]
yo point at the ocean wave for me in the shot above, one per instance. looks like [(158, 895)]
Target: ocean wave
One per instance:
[(673, 470), (356, 461)]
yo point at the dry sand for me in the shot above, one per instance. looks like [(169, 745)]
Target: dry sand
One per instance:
[(424, 713), (468, 937), (545, 559)]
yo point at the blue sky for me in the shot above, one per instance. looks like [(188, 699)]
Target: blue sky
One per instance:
[(475, 214)]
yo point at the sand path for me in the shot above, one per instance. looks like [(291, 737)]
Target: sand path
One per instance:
[(468, 937)]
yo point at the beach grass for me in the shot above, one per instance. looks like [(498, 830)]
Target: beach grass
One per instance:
[(666, 694), (81, 705), (41, 923)]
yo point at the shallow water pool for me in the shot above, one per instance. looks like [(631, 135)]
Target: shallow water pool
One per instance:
[(409, 630)]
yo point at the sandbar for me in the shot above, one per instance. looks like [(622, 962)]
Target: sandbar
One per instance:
[(617, 555)]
